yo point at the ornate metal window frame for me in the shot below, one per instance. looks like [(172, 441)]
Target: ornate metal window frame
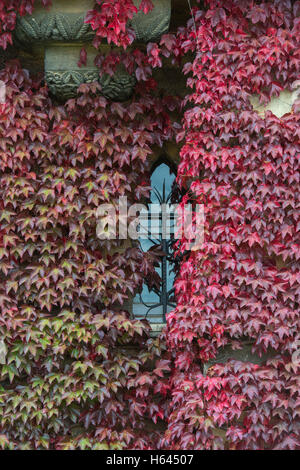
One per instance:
[(164, 293)]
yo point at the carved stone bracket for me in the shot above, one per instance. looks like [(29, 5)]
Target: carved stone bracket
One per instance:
[(53, 27), (62, 32), (64, 76), (152, 26), (65, 84)]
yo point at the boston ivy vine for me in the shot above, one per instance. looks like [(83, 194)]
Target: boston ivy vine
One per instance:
[(243, 283), (78, 371)]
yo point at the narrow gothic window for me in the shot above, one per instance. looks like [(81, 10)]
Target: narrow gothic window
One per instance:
[(154, 304)]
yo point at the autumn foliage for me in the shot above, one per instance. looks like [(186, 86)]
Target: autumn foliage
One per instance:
[(79, 372), (243, 283)]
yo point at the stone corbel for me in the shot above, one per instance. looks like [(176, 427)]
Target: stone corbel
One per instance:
[(62, 33)]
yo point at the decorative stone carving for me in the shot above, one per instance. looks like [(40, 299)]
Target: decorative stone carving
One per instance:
[(53, 27), (119, 86), (64, 84), (153, 25), (243, 355), (62, 32), (64, 76), (62, 23)]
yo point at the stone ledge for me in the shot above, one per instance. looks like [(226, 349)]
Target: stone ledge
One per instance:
[(156, 329), (243, 355)]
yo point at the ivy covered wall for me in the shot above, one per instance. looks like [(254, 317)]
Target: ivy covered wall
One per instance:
[(77, 371)]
